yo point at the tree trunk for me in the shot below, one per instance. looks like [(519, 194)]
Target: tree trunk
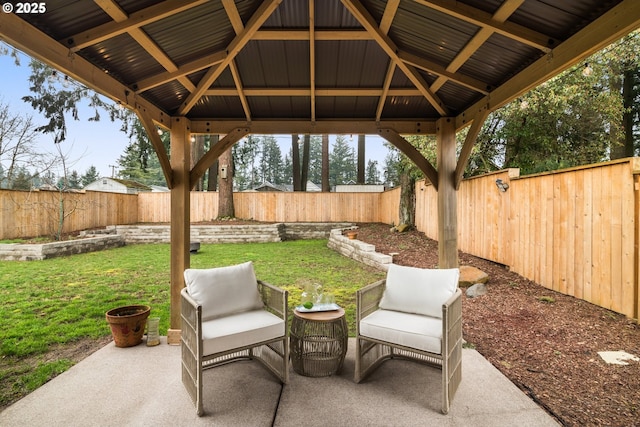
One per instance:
[(304, 175), (617, 144), (361, 155), (630, 81), (197, 151), (225, 191), (407, 210), (295, 162), (325, 163), (212, 181)]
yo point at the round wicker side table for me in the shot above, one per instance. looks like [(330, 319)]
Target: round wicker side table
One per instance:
[(318, 342)]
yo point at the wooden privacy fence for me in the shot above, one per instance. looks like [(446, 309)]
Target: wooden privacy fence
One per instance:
[(575, 231), (37, 213), (280, 207)]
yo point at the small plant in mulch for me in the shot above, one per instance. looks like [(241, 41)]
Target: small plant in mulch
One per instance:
[(547, 299)]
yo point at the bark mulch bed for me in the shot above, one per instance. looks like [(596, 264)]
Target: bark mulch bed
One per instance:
[(545, 342)]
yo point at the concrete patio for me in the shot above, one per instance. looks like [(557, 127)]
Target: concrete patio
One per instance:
[(141, 386)]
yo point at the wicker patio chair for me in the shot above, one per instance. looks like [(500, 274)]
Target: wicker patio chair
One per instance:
[(415, 314), (227, 315)]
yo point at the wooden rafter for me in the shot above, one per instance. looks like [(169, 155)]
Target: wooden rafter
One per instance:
[(238, 26), (616, 23), (385, 24), (312, 59), (433, 68), (375, 92), (135, 20), (191, 67), (366, 20), (118, 15), (319, 34), (502, 14), (239, 90), (485, 20), (385, 90), (42, 47), (258, 18)]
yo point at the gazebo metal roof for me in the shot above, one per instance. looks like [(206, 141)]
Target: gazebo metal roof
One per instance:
[(314, 67), (251, 61)]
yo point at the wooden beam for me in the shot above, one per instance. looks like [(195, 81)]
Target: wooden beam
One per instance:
[(257, 19), (502, 14), (365, 19), (191, 67), (239, 90), (319, 127), (373, 92), (413, 154), (157, 144), (180, 219), (303, 35), (234, 16), (119, 15), (38, 45), (469, 142), (616, 23), (135, 20), (385, 89), (433, 68), (485, 20), (447, 195), (214, 152), (390, 11), (312, 59)]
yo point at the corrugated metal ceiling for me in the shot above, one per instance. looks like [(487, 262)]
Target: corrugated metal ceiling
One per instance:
[(341, 68)]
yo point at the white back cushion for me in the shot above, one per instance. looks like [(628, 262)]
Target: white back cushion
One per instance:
[(418, 290), (224, 290)]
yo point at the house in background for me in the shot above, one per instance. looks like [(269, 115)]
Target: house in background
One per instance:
[(267, 186), (115, 185)]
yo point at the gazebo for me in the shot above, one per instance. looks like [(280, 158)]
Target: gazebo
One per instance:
[(389, 68)]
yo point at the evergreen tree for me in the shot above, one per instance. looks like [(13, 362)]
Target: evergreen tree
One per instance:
[(140, 161), (91, 175), (245, 153), (21, 179), (74, 180), (271, 164), (372, 173), (342, 163)]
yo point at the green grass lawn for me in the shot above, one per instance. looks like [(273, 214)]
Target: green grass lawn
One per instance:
[(63, 300)]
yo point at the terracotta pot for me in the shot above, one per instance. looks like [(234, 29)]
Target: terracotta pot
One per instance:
[(127, 324), (352, 234)]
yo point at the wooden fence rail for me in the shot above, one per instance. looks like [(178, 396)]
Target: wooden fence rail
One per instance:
[(575, 231)]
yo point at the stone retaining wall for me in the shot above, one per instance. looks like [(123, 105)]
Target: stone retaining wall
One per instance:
[(30, 252), (261, 233), (119, 235), (357, 250)]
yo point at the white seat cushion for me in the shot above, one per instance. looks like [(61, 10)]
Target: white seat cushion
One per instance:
[(239, 330), (407, 329), (418, 290), (224, 290)]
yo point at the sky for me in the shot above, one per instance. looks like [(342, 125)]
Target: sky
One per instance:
[(101, 143)]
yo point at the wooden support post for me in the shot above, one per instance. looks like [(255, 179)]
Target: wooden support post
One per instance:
[(180, 218), (447, 203)]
